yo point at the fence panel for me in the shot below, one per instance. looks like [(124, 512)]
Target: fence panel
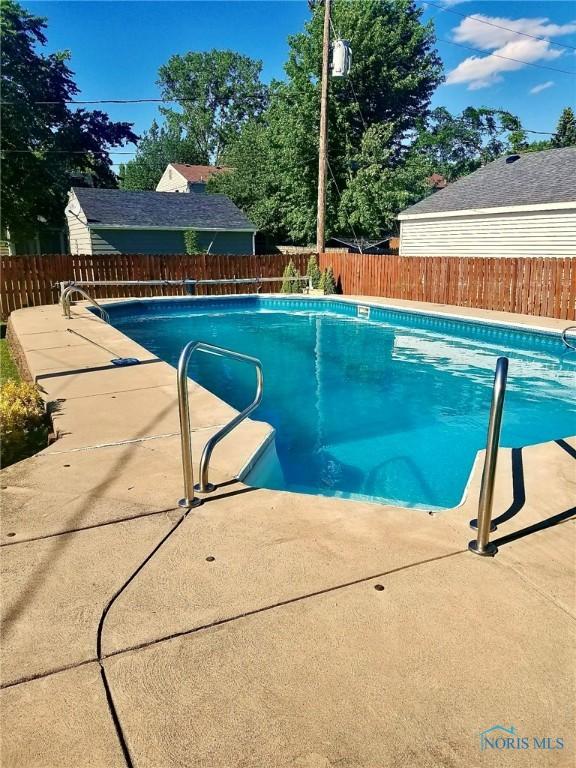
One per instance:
[(29, 281), (535, 286)]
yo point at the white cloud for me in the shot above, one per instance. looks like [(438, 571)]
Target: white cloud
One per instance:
[(483, 71), (542, 87)]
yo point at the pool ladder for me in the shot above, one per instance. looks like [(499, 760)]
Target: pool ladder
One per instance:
[(65, 301), (204, 486)]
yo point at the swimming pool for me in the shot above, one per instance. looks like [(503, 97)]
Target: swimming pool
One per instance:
[(392, 406)]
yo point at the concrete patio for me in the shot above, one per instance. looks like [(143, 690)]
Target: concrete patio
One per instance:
[(265, 628)]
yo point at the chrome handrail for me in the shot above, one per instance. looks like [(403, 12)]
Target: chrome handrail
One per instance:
[(184, 410), (481, 544), (65, 301), (564, 338)]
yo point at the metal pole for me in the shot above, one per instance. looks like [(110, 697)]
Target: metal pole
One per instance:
[(189, 500), (481, 545), (323, 138)]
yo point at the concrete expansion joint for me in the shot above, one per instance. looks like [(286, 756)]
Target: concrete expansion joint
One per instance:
[(530, 584), (68, 531), (129, 441), (265, 608)]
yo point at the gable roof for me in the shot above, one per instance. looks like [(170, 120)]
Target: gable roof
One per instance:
[(534, 178), (198, 173), (160, 210)]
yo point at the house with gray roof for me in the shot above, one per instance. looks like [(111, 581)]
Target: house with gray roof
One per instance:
[(520, 205), (104, 221)]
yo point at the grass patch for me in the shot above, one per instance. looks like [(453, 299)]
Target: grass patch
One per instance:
[(8, 370), (25, 425)]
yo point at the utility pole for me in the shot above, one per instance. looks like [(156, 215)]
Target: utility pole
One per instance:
[(323, 145)]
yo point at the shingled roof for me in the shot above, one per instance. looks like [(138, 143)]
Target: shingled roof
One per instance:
[(198, 173), (162, 210), (533, 178)]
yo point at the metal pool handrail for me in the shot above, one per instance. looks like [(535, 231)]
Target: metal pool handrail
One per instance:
[(565, 340), (65, 300), (184, 410), (481, 545)]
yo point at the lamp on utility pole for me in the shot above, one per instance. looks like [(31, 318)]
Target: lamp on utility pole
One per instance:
[(323, 139)]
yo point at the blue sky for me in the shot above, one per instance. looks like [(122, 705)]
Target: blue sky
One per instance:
[(117, 48)]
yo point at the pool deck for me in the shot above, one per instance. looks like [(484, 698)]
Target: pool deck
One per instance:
[(265, 628)]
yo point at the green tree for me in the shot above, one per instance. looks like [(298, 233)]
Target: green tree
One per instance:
[(289, 284), (158, 147), (327, 282), (217, 92), (456, 145), (44, 145), (383, 185), (565, 135), (313, 271), (394, 73)]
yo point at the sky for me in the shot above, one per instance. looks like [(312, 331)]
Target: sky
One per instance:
[(117, 48)]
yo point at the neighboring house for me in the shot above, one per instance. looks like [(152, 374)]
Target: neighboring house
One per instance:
[(180, 177), (47, 239), (121, 221), (520, 205), (436, 182)]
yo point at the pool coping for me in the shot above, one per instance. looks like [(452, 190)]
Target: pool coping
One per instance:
[(493, 318), (245, 463)]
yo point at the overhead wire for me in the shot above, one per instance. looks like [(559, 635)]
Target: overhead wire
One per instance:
[(445, 9), (507, 58)]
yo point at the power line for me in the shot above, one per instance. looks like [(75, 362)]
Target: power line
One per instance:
[(101, 101), (67, 151), (499, 26), (508, 58)]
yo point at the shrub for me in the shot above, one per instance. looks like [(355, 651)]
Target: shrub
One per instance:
[(23, 421), (289, 285), (191, 242), (313, 271), (327, 282)]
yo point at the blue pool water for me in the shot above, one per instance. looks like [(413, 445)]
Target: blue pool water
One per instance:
[(391, 408)]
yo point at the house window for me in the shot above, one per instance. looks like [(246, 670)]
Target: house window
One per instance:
[(170, 175)]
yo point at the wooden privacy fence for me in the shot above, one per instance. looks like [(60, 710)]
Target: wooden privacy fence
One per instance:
[(533, 286), (29, 281)]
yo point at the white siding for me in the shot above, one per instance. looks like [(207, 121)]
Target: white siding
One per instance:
[(172, 181), (520, 233), (78, 232)]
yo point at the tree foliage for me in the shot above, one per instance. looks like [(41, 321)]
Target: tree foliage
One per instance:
[(456, 145), (217, 93), (394, 73), (158, 147), (191, 242), (313, 271), (289, 283), (44, 145), (565, 135), (327, 282)]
